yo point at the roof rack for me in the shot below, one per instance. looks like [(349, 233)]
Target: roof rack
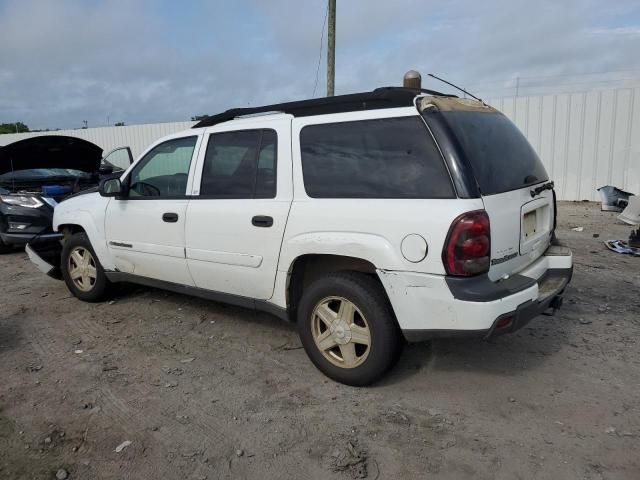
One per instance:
[(385, 97)]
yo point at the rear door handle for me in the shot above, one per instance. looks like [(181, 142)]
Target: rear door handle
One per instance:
[(170, 217), (262, 221)]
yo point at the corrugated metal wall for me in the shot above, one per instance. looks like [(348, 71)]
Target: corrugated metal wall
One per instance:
[(138, 137), (585, 140)]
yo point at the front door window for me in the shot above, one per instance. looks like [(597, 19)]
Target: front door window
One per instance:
[(163, 172)]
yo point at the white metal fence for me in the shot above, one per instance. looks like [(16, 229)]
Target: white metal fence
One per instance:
[(585, 140), (138, 137)]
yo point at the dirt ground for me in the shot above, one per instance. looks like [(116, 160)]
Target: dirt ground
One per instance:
[(204, 390)]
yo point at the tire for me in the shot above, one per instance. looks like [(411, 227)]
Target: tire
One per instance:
[(329, 347), (92, 286)]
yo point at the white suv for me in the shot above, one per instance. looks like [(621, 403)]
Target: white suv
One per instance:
[(367, 219)]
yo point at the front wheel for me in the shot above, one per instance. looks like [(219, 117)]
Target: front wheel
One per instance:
[(347, 328), (82, 272)]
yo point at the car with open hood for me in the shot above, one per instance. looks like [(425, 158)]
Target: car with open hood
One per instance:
[(39, 172)]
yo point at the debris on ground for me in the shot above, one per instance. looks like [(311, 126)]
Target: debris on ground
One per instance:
[(631, 214), (399, 418), (620, 246), (350, 460), (613, 198), (122, 446), (578, 229), (62, 474)]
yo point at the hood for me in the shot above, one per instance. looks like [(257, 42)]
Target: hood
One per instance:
[(50, 151)]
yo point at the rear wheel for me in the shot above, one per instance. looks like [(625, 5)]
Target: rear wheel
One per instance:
[(82, 272), (347, 328)]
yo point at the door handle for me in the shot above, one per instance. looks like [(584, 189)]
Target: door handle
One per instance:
[(262, 221), (170, 217)]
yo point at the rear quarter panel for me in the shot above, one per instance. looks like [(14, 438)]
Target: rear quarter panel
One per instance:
[(371, 229)]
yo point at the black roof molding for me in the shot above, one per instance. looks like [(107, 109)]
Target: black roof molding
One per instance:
[(385, 97)]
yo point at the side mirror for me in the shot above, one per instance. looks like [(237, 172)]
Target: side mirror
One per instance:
[(110, 187)]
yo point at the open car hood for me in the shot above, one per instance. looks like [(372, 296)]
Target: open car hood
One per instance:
[(50, 151)]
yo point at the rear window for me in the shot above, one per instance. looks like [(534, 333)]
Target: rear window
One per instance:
[(382, 158), (501, 157)]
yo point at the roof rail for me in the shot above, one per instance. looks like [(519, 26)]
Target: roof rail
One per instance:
[(385, 97)]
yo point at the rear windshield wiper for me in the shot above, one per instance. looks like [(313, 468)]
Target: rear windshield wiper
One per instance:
[(541, 188)]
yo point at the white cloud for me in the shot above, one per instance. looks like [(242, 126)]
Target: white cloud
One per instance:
[(141, 61)]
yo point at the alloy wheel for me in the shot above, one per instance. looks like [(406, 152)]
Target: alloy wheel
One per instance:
[(82, 269), (341, 332)]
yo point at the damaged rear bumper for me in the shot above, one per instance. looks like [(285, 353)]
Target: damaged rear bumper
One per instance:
[(432, 306), (551, 288)]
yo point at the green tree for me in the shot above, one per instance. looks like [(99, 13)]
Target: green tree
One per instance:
[(17, 127), (119, 124), (197, 118)]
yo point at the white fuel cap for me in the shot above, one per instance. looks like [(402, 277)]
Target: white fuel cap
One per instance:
[(414, 248)]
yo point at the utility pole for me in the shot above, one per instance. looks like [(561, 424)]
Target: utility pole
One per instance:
[(331, 49)]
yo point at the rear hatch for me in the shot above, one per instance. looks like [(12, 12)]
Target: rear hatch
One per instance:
[(509, 175)]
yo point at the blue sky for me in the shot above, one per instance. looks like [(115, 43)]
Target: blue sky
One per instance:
[(140, 61)]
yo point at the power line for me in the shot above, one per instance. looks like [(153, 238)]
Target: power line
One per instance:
[(326, 12)]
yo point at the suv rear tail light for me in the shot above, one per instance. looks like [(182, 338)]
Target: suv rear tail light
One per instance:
[(468, 245)]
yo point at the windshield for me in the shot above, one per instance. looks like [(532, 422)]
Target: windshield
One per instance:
[(42, 173), (500, 156)]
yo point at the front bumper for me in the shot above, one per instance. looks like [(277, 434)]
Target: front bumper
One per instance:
[(17, 239), (430, 306), (22, 225), (46, 257)]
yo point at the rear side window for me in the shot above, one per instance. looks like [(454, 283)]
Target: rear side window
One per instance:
[(382, 158), (500, 156), (240, 164)]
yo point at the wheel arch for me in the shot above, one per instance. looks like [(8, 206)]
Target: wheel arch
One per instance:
[(81, 221), (306, 268)]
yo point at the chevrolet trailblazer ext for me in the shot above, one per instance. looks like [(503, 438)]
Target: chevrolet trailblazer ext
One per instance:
[(367, 219)]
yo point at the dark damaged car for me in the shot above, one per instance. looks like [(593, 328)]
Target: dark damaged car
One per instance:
[(39, 172)]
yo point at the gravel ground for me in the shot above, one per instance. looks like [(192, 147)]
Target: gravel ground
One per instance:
[(204, 390)]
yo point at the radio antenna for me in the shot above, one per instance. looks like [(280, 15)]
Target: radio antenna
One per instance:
[(459, 88)]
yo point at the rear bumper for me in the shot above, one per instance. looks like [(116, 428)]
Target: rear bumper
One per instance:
[(554, 282), (431, 306)]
